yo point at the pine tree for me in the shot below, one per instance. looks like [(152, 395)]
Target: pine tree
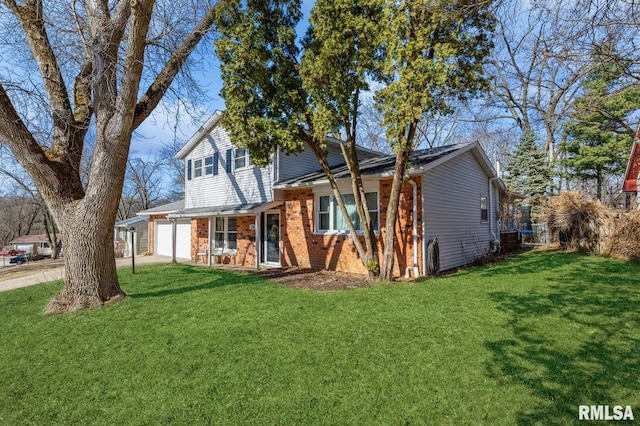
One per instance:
[(598, 134), (528, 173)]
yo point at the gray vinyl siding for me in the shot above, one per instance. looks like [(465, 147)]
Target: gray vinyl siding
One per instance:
[(451, 197), (292, 166), (243, 186)]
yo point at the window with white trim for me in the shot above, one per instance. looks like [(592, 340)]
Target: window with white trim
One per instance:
[(218, 237), (232, 233), (225, 234), (197, 168), (240, 158), (324, 215), (208, 165), (329, 217)]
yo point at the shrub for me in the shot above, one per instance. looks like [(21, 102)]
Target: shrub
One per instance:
[(624, 241), (576, 223)]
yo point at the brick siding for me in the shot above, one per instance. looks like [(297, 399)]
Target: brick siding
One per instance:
[(302, 247), (246, 252)]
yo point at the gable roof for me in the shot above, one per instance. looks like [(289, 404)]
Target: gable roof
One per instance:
[(383, 165), (194, 140), (630, 183)]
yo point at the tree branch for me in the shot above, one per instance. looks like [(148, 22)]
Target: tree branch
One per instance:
[(33, 22), (159, 87), (14, 134)]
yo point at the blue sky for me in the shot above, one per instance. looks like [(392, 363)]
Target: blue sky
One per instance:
[(161, 126)]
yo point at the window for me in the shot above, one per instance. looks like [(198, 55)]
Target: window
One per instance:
[(226, 233), (232, 233), (218, 238), (484, 213), (241, 158), (330, 217), (197, 168), (208, 165), (324, 203)]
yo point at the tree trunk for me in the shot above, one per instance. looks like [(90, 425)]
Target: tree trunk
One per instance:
[(89, 259), (388, 261), (368, 255)]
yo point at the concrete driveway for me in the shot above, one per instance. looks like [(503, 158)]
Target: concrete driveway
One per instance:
[(48, 275)]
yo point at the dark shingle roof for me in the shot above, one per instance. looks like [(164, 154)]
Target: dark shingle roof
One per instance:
[(377, 165)]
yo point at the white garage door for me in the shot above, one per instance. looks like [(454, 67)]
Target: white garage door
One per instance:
[(183, 240), (164, 239)]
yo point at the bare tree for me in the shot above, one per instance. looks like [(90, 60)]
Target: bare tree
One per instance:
[(92, 61), (536, 66), (174, 168), (143, 186), (543, 51)]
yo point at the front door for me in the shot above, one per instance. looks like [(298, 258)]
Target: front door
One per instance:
[(272, 238)]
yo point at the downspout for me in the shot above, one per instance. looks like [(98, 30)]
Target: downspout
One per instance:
[(416, 270), (209, 241), (495, 243), (257, 239), (174, 232)]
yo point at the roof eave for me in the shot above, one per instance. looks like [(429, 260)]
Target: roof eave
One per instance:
[(208, 125)]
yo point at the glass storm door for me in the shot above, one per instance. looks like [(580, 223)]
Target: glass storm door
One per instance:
[(272, 237)]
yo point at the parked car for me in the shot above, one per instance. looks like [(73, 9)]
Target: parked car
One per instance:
[(20, 259), (10, 252), (28, 257)]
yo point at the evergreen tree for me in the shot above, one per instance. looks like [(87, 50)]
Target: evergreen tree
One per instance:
[(414, 57), (598, 134), (528, 173)]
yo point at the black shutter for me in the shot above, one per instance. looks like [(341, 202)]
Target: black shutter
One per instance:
[(229, 157), (188, 169), (215, 163)]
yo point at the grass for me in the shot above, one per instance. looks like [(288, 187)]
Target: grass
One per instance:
[(521, 342)]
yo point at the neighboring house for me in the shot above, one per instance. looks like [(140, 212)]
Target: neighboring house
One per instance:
[(36, 244), (632, 174), (285, 214), (132, 232)]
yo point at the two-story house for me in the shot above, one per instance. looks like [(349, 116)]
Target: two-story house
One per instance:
[(285, 214)]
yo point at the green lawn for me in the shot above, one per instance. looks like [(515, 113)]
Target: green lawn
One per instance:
[(520, 342)]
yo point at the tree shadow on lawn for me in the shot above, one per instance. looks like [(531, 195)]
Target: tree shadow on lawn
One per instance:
[(189, 279), (532, 262), (576, 342)]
